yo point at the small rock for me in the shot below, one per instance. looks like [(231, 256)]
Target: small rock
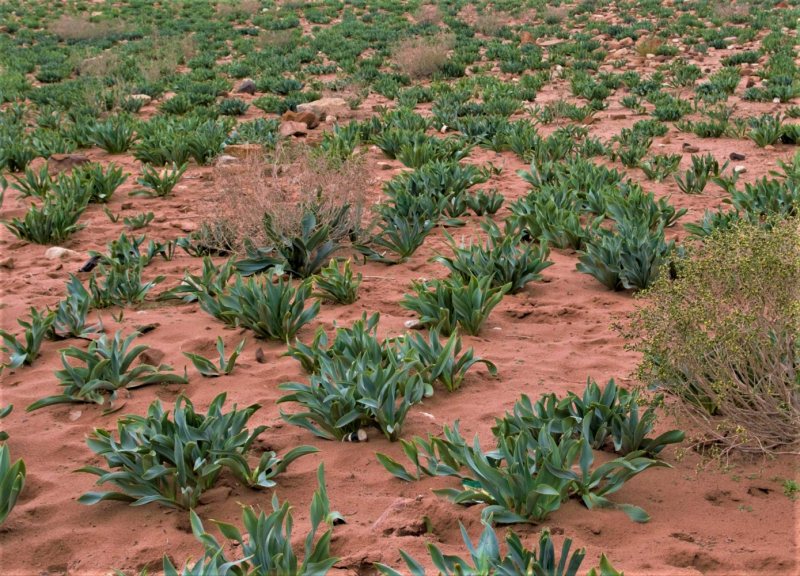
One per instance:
[(218, 494), (226, 160), (90, 264), (292, 129), (769, 147), (383, 166), (736, 156), (776, 100), (74, 415), (414, 324), (7, 263), (330, 119), (151, 357), (126, 206), (185, 225), (526, 38), (308, 118), (145, 328), (618, 116), (243, 151), (260, 358), (666, 140), (689, 149), (740, 169), (246, 87), (143, 97), (57, 252), (63, 162), (325, 107)]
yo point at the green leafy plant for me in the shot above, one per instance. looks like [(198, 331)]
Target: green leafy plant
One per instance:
[(106, 368), (337, 286), (305, 254), (504, 257), (38, 328), (482, 203), (12, 482), (397, 234), (268, 547), (70, 313), (120, 285), (52, 223), (485, 559), (159, 183), (173, 461), (765, 130), (33, 184), (213, 281), (115, 136), (441, 361), (207, 368), (270, 307), (445, 304)]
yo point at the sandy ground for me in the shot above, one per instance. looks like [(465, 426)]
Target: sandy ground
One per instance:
[(548, 338)]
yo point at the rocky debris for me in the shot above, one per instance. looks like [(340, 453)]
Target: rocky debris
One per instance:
[(57, 252), (330, 119), (145, 328), (185, 225), (151, 357), (414, 324), (526, 38), (226, 160), (7, 263), (402, 518), (246, 87), (143, 97), (243, 151), (63, 162), (689, 149), (308, 118), (736, 156), (740, 169), (769, 147), (260, 358), (287, 129), (325, 107), (618, 116), (383, 166)]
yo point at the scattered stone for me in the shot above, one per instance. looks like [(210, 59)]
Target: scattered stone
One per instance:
[(769, 147), (383, 166), (526, 38), (308, 118), (618, 116), (736, 156), (57, 252), (243, 151), (62, 162), (293, 129), (330, 119), (327, 107), (740, 169), (246, 87), (145, 328), (7, 263), (74, 415), (414, 324), (626, 42), (666, 140), (126, 206), (185, 225), (260, 358), (218, 494), (358, 436), (750, 82), (143, 97), (226, 160), (689, 149), (443, 129), (151, 357)]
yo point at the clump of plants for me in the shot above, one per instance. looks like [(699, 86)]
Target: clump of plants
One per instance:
[(722, 337)]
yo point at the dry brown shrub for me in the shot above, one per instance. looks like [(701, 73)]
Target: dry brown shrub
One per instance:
[(428, 14), (286, 184), (730, 12), (489, 24), (239, 7), (276, 38), (167, 55), (79, 28), (554, 15), (648, 46), (421, 57)]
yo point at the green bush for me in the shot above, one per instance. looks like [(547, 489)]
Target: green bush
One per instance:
[(722, 335), (12, 482), (52, 223), (172, 461)]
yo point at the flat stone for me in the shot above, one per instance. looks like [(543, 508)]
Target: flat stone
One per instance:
[(736, 156), (325, 107), (143, 97), (246, 87), (151, 357), (57, 252), (243, 151), (293, 129)]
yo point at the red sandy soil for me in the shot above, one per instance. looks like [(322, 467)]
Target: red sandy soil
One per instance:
[(548, 338)]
